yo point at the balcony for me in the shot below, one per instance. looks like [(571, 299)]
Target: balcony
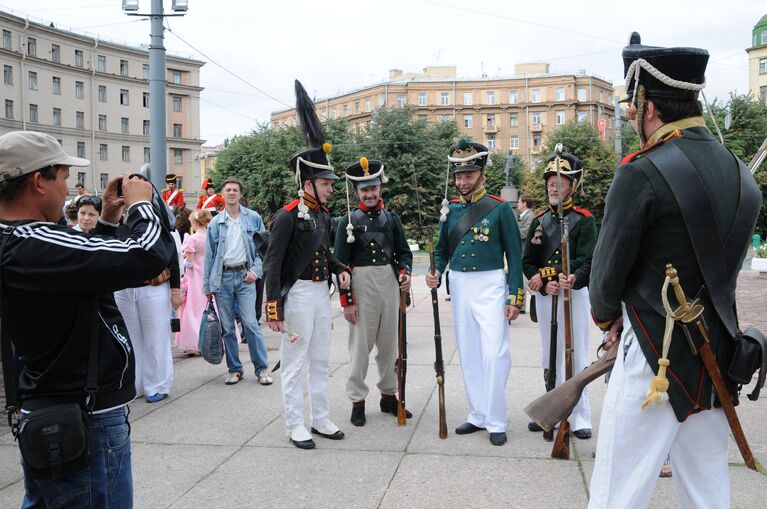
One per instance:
[(491, 129), (536, 127)]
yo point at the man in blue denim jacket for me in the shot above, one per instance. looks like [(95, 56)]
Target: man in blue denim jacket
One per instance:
[(232, 266)]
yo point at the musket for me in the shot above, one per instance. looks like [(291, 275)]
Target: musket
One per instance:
[(758, 158), (402, 359), (439, 365), (550, 274), (561, 449), (687, 313)]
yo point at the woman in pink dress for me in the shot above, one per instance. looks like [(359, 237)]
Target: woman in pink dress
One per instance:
[(195, 301)]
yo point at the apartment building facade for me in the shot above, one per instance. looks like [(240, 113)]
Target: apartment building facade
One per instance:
[(505, 113), (93, 96), (757, 61)]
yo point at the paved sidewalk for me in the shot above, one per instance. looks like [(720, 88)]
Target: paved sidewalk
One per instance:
[(210, 445)]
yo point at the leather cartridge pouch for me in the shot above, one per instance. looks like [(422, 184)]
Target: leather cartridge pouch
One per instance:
[(748, 357), (54, 441)]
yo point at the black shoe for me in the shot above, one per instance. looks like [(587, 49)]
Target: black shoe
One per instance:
[(583, 433), (466, 428), (338, 435), (498, 438), (389, 406), (304, 444), (533, 426), (358, 416)]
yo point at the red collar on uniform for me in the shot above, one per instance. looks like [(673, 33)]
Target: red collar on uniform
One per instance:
[(378, 207)]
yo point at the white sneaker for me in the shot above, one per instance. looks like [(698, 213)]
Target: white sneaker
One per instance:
[(233, 378), (264, 378)]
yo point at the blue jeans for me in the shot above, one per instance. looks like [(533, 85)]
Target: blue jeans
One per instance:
[(234, 288), (107, 482)]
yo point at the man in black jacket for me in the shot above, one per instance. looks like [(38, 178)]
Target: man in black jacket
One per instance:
[(58, 286), (681, 168)]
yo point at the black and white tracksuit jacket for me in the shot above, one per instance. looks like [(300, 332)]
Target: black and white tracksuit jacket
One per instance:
[(56, 283)]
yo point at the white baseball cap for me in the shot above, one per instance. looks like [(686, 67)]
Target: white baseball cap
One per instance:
[(23, 152)]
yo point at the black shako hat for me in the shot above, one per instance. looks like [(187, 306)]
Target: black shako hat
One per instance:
[(467, 156), (569, 166), (366, 173), (686, 65), (314, 162)]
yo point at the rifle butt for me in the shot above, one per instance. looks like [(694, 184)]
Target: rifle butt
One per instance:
[(401, 418), (442, 418), (561, 449)]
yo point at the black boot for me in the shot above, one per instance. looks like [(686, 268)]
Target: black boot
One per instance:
[(389, 405), (358, 413)]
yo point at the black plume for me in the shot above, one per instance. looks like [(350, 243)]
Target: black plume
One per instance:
[(635, 38), (307, 117)]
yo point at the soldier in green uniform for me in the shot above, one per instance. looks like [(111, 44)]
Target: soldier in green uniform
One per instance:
[(682, 199), (477, 233), (543, 256), (371, 240)]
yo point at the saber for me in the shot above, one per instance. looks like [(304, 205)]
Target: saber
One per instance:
[(687, 313), (439, 365)]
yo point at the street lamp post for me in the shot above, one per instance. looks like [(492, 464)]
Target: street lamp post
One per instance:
[(158, 152)]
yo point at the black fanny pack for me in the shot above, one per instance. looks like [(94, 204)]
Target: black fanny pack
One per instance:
[(748, 357), (54, 441)]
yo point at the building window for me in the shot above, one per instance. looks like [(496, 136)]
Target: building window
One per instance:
[(177, 103), (103, 152), (145, 71), (101, 63), (401, 101), (80, 149), (102, 93), (126, 153), (79, 89), (31, 46), (560, 117), (146, 154), (32, 80), (56, 85), (177, 130), (446, 118), (124, 97), (422, 99), (145, 99), (581, 94), (9, 109), (8, 75), (33, 113), (381, 101), (582, 116), (356, 107), (535, 117), (514, 143), (513, 119), (490, 97), (102, 122), (80, 120), (178, 157), (560, 93), (468, 121), (333, 113), (123, 68), (104, 180), (345, 110), (56, 116), (491, 142), (145, 128), (175, 76), (468, 98), (762, 96), (79, 60), (513, 96), (764, 37), (55, 53), (7, 39), (444, 98), (491, 119), (81, 177), (535, 95), (124, 124), (368, 105), (763, 66), (537, 140)]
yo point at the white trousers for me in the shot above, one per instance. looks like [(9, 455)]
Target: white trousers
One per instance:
[(633, 443), (147, 312), (307, 314), (581, 416), (482, 335)]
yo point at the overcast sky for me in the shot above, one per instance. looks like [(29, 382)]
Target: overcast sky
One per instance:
[(256, 48)]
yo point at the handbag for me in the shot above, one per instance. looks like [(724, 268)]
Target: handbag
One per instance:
[(211, 342), (748, 357), (54, 440)]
